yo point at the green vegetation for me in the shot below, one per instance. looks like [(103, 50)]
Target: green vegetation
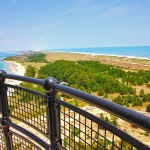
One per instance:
[(30, 71), (36, 57), (97, 144), (74, 131), (148, 108), (10, 58), (112, 120), (66, 141), (92, 76), (89, 76), (135, 100)]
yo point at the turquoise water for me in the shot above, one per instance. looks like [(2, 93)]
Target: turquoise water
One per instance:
[(130, 51), (5, 65)]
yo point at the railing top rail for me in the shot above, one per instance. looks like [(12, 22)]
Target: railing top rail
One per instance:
[(129, 115), (23, 78), (113, 108)]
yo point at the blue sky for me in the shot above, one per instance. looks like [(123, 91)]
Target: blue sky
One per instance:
[(52, 24)]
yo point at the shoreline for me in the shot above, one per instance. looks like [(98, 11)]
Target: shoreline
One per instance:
[(126, 62), (17, 69), (96, 54)]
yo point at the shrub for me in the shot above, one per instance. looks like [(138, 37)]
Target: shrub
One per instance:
[(148, 108)]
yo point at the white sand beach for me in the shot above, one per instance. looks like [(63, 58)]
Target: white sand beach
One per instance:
[(17, 69)]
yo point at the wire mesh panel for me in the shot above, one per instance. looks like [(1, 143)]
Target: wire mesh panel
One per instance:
[(59, 120), (28, 106), (2, 144), (80, 131), (22, 143)]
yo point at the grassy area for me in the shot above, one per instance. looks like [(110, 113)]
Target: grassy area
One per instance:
[(36, 65)]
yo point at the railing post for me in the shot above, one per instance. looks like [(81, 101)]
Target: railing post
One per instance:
[(53, 113), (4, 111)]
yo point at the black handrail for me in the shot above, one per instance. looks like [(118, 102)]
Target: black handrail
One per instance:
[(129, 115), (31, 135), (140, 120), (52, 86), (23, 78)]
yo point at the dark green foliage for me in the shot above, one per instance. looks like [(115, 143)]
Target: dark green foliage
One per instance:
[(101, 144), (92, 76), (137, 78), (148, 108), (146, 98), (112, 120), (88, 76), (30, 71), (33, 87), (37, 57), (142, 93), (135, 100), (10, 58), (74, 131)]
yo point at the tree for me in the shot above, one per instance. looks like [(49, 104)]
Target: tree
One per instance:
[(30, 71), (37, 57)]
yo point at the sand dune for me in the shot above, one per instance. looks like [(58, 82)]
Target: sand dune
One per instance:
[(17, 69)]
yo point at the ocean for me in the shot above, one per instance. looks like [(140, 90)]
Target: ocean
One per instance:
[(4, 65), (128, 51)]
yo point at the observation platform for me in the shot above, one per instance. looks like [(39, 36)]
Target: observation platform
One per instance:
[(33, 120)]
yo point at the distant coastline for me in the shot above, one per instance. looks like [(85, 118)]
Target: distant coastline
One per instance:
[(96, 54), (116, 56), (139, 52)]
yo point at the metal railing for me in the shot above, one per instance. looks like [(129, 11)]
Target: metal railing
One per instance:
[(33, 120)]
